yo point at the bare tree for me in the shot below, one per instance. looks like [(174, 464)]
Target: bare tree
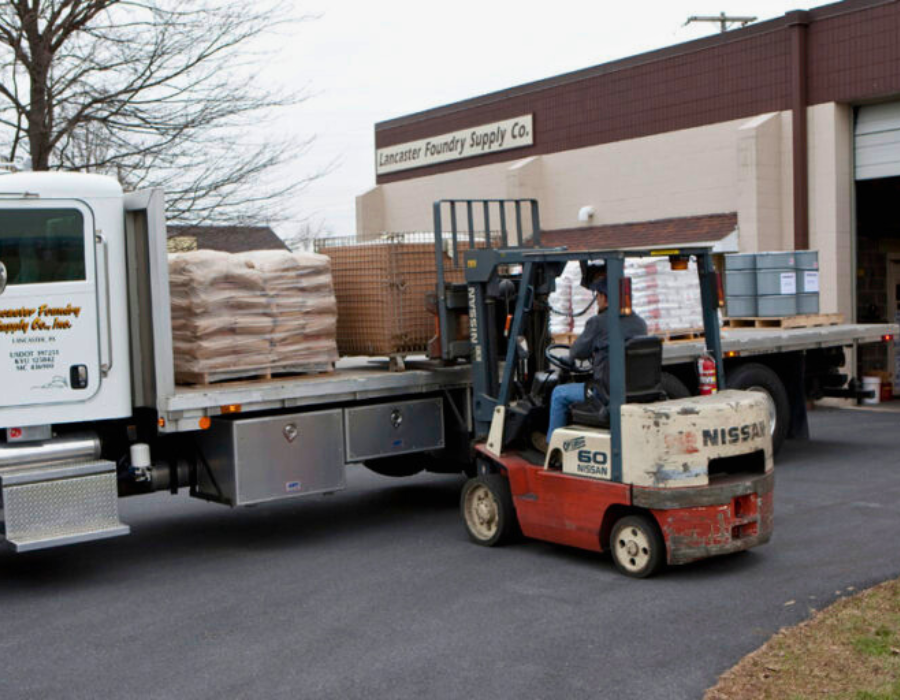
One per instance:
[(155, 92), (306, 234)]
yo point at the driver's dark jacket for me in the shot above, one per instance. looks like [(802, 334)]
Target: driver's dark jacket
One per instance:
[(593, 343)]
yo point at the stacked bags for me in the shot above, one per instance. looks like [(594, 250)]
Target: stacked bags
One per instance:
[(574, 303), (250, 314), (561, 302), (667, 300)]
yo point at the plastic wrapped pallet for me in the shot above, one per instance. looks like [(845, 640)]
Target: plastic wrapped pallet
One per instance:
[(561, 305), (668, 300), (250, 314)]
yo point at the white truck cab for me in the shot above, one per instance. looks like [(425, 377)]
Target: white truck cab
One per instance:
[(63, 300)]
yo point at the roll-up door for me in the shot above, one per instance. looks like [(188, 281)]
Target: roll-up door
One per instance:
[(878, 141)]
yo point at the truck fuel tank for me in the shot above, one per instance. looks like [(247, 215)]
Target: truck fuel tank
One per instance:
[(65, 448)]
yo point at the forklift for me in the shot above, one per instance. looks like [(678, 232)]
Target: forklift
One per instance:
[(651, 478)]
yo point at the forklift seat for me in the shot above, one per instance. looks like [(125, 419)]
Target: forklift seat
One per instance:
[(643, 383)]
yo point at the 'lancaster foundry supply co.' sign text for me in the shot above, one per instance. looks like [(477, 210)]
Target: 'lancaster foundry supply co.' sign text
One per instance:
[(477, 141)]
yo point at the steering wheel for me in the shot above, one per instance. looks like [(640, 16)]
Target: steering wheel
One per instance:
[(555, 358)]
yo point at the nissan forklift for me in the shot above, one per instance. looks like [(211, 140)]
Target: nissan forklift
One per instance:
[(652, 478)]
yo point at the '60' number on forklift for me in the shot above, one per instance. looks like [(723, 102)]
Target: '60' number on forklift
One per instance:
[(593, 462)]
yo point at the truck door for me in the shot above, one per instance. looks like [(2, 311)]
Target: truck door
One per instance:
[(50, 334)]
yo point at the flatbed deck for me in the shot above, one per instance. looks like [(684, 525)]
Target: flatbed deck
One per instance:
[(762, 341), (354, 379), (364, 379)]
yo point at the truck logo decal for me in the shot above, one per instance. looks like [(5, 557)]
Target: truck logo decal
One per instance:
[(43, 318), (57, 382), (574, 444), (734, 435)]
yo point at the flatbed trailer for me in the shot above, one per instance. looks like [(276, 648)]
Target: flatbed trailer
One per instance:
[(366, 379), (749, 342), (354, 381), (68, 452)]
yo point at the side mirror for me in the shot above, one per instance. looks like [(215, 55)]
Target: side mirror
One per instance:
[(3, 278)]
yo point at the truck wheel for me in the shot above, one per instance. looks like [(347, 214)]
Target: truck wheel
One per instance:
[(403, 465), (636, 546), (757, 377), (488, 510), (674, 387)]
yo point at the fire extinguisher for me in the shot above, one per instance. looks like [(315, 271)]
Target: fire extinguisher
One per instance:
[(706, 370)]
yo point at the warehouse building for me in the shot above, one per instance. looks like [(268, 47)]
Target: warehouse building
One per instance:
[(781, 135)]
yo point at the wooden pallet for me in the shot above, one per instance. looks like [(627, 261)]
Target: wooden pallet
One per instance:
[(802, 321), (686, 334), (252, 374)]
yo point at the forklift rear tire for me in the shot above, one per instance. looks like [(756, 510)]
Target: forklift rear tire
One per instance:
[(637, 547), (488, 511), (403, 465), (757, 377)]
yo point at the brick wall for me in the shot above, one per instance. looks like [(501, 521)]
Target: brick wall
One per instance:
[(852, 55)]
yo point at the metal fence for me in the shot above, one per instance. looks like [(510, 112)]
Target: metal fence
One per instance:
[(385, 288)]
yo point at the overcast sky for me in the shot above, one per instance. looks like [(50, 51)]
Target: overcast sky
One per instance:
[(367, 61)]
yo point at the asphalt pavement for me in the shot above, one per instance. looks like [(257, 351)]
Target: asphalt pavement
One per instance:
[(376, 592)]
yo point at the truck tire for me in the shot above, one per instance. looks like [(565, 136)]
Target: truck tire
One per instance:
[(488, 511), (637, 547), (402, 465), (757, 377), (674, 387)]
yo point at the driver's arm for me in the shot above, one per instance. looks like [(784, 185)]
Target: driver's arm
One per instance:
[(583, 346)]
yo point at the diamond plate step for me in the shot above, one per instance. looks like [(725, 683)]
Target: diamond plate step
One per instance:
[(51, 506)]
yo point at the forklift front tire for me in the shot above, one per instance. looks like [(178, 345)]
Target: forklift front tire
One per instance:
[(637, 546), (488, 510)]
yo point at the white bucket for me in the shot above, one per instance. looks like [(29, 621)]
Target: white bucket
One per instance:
[(872, 384)]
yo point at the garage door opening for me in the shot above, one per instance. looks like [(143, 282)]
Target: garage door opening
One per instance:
[(877, 175), (878, 270)]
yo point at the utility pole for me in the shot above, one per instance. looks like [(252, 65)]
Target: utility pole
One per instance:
[(723, 20)]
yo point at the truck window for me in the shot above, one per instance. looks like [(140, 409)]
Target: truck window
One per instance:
[(42, 245)]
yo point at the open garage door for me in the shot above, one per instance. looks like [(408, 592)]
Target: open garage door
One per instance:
[(877, 152), (878, 141)]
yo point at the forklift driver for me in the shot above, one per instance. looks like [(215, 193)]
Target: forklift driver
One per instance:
[(591, 344)]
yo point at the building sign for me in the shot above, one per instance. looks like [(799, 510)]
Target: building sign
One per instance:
[(467, 143)]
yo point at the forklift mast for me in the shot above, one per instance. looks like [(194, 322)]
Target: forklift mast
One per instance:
[(520, 274)]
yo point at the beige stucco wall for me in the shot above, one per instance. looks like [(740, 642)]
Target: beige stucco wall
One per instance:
[(743, 165), (681, 173), (731, 166), (764, 183), (831, 204)]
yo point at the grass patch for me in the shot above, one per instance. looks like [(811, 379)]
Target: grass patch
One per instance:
[(849, 651)]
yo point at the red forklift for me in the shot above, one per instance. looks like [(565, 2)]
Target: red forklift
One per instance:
[(653, 476)]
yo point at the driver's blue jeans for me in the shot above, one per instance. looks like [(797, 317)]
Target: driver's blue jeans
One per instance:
[(562, 398)]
